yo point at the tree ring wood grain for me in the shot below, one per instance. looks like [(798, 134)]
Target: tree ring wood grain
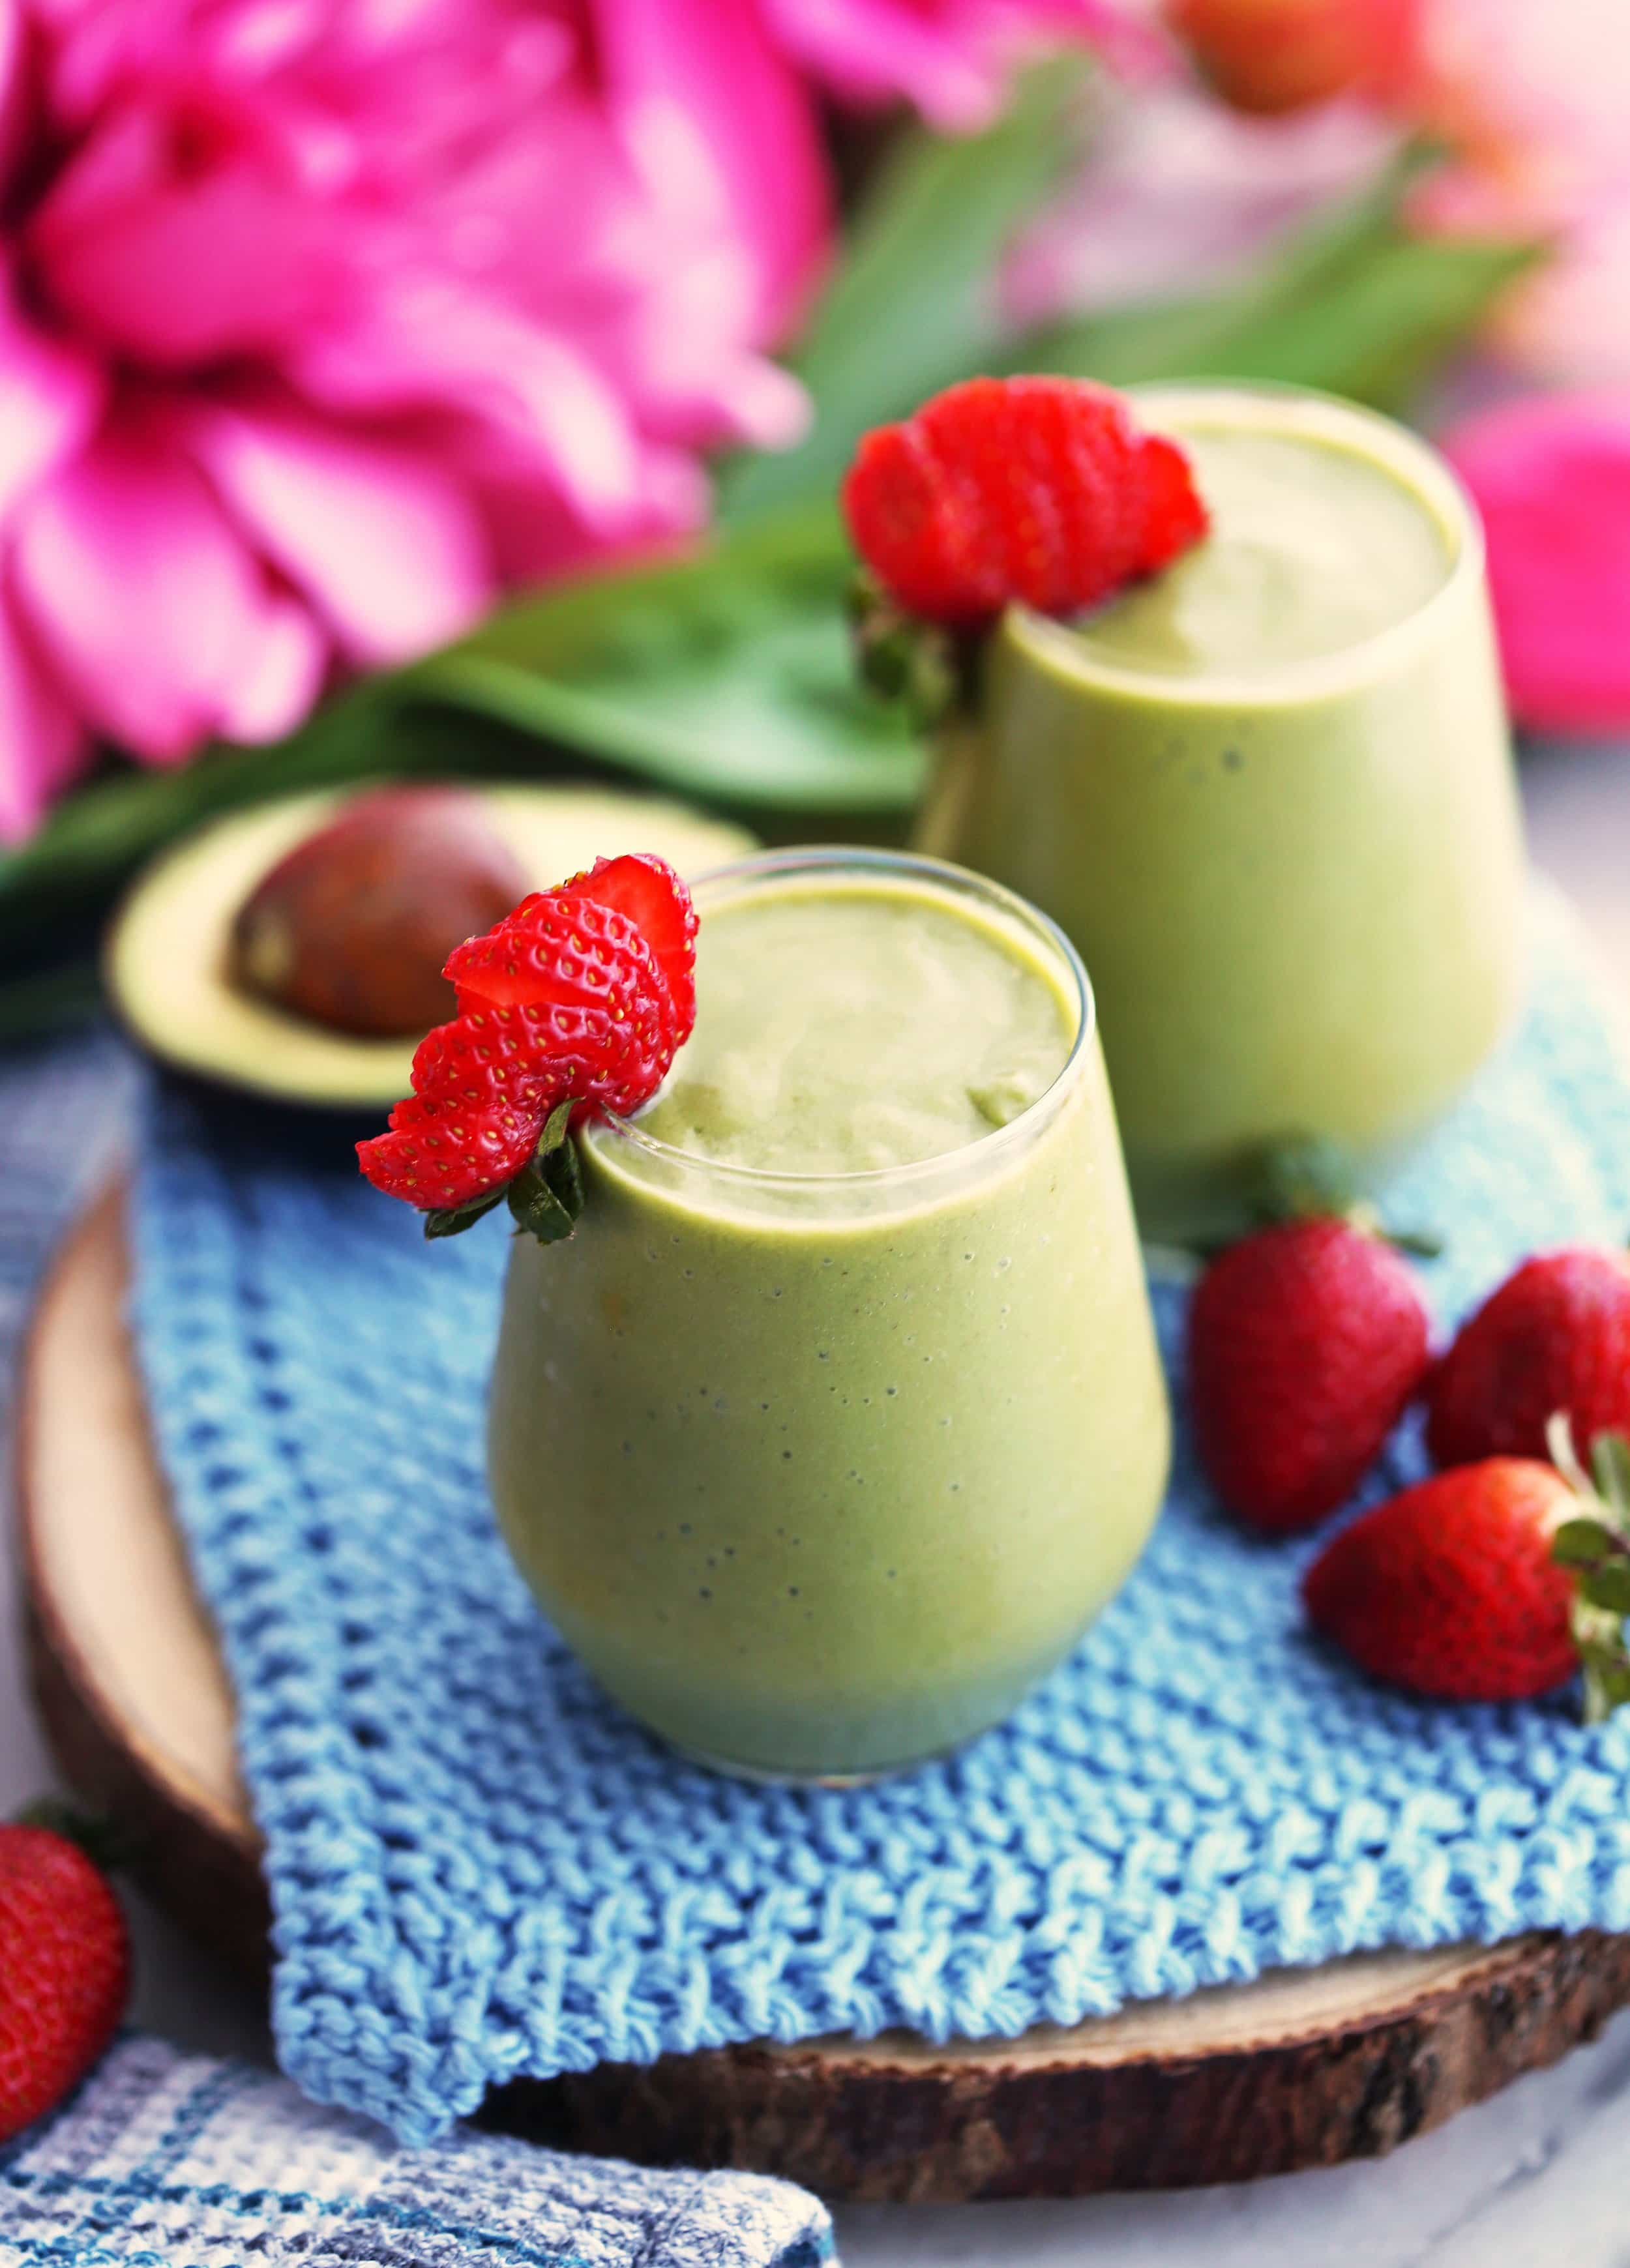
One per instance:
[(1305, 2068)]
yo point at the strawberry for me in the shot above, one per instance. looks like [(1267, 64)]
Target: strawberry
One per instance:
[(1038, 489), (648, 890), (1271, 56), (444, 1156), (1174, 518), (64, 1970), (1555, 1336), (1306, 1342), (577, 1001), (1451, 1588)]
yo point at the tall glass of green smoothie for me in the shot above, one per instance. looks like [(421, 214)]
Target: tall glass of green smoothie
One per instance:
[(839, 1416), (1269, 794)]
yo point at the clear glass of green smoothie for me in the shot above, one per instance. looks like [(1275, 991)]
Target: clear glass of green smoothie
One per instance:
[(1269, 794), (839, 1416)]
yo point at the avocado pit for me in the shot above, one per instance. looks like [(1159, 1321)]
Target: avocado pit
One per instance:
[(351, 928)]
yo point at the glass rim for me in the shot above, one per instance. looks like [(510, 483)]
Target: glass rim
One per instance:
[(769, 866), (1409, 456)]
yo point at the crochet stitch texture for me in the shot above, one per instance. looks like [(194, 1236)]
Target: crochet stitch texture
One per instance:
[(480, 1869)]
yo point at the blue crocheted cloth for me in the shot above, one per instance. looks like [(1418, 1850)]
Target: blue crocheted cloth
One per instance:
[(480, 1869)]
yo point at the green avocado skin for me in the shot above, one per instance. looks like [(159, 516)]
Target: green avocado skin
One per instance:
[(1298, 890)]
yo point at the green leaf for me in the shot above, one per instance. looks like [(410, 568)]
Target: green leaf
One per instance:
[(1582, 1543), (728, 674), (913, 306), (1357, 305)]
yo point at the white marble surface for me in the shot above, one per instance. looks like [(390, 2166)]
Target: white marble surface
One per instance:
[(1533, 2179)]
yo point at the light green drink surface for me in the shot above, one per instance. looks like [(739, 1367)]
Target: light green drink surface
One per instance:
[(846, 1029), (1313, 549)]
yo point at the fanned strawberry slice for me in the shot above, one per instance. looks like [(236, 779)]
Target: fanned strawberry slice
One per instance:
[(576, 1002), (555, 947), (1043, 489), (1174, 518), (650, 892), (603, 1058), (442, 1156)]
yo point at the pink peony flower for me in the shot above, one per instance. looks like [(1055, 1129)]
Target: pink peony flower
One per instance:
[(323, 320), (949, 57), (1551, 476)]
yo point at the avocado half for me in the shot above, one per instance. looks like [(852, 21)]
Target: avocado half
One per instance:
[(166, 958)]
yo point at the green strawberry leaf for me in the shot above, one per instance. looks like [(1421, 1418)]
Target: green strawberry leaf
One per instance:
[(1582, 1543), (1608, 1586), (546, 1196), (453, 1220), (1606, 1678), (1609, 1462)]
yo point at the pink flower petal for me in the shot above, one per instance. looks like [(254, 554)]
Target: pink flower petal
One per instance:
[(1552, 478), (288, 662), (949, 57), (151, 610), (385, 543), (754, 172), (429, 345), (533, 536), (177, 233), (42, 744), (51, 396), (1178, 194), (20, 109)]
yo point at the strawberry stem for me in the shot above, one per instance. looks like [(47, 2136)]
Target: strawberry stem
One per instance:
[(1595, 1548), (106, 1846), (930, 669), (545, 1196), (1317, 1179)]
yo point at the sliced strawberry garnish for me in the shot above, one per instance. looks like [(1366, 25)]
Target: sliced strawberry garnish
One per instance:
[(557, 947), (1038, 489), (650, 892), (582, 997), (1174, 517), (441, 1157), (607, 1058)]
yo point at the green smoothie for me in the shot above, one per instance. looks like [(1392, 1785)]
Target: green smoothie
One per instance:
[(1269, 794), (840, 1416), (1315, 548)]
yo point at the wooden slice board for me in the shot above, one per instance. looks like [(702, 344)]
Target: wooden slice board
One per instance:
[(1306, 2068)]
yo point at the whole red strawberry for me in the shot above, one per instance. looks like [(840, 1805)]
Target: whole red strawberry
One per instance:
[(1555, 1336), (1306, 1342), (1451, 1589), (1038, 489), (576, 1002), (64, 1970), (1271, 56)]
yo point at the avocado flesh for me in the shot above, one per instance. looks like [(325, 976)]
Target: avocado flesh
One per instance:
[(166, 958)]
